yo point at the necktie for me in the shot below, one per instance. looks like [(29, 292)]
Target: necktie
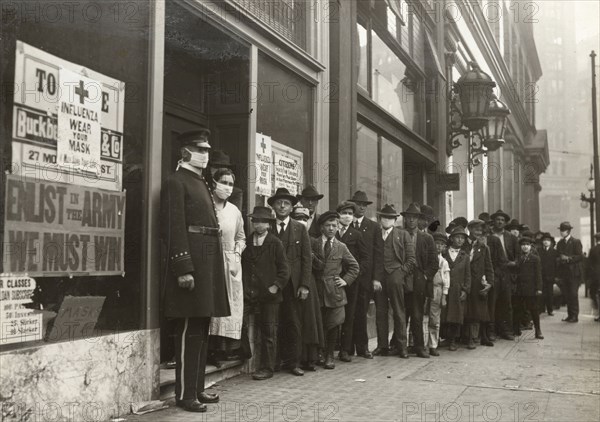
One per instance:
[(327, 248), (356, 225), (282, 229), (385, 235), (342, 231)]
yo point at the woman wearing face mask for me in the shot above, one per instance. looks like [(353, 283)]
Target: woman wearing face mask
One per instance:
[(226, 331)]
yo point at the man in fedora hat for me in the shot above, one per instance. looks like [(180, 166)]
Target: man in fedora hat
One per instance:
[(427, 222), (420, 282), (310, 198), (502, 291), (548, 256), (371, 273), (218, 160), (354, 240), (195, 289), (570, 257), (594, 260), (398, 264), (296, 243), (513, 227)]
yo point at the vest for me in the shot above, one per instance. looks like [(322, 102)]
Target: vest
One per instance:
[(390, 260)]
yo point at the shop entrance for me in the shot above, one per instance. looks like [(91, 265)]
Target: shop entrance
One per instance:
[(206, 83)]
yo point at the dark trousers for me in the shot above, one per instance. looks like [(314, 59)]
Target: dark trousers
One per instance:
[(290, 328), (415, 305), (548, 295), (191, 347), (504, 309), (571, 294), (392, 295), (521, 306), (360, 336), (266, 320), (453, 331), (347, 340)]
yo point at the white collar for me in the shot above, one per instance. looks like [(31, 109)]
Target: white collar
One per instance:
[(286, 221), (324, 239), (360, 220), (567, 238), (191, 168), (388, 230)]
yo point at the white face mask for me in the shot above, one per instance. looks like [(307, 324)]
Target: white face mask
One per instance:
[(386, 223), (223, 191), (346, 219), (198, 159)]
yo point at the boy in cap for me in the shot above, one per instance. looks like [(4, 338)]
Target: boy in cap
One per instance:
[(334, 268), (434, 305), (265, 274)]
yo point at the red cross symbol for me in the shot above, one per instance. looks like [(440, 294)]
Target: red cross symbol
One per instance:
[(83, 93)]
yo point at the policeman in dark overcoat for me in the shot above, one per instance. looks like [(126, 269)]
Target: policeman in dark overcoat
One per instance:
[(194, 289)]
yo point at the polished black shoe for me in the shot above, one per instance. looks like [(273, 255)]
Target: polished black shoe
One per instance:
[(487, 342), (403, 353), (297, 371), (539, 335), (329, 363), (422, 353), (433, 352), (205, 397), (344, 357), (366, 354), (262, 374), (381, 352), (570, 319), (191, 405)]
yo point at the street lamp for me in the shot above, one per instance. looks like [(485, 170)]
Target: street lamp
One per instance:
[(476, 114), (585, 200)]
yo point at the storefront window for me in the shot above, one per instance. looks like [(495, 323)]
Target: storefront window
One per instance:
[(363, 69), (367, 165), (391, 173), (84, 257)]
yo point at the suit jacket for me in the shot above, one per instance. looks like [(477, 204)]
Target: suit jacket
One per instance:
[(594, 261), (355, 242), (187, 201), (574, 250), (371, 232), (426, 265), (548, 261), (263, 266), (339, 262), (529, 275), (481, 265), (296, 244), (404, 250), (314, 230)]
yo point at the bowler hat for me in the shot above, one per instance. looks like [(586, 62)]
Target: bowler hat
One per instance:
[(427, 212), (326, 216), (524, 228), (500, 213), (413, 209), (300, 210), (345, 205), (282, 193), (565, 225), (262, 213), (310, 192), (513, 224), (458, 230), (219, 158), (526, 239), (485, 216), (440, 237), (475, 222), (360, 196), (197, 138), (389, 211), (450, 227)]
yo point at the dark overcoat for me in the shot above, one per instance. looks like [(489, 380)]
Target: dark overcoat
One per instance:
[(426, 265), (548, 260), (187, 202), (262, 267), (529, 275), (314, 230), (296, 244), (355, 242), (572, 248), (373, 269), (481, 265), (460, 281)]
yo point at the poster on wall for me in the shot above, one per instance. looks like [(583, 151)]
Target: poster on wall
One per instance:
[(18, 324), (288, 168), (54, 229), (263, 165), (67, 121)]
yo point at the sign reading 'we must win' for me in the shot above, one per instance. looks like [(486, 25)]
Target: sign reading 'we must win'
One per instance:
[(56, 229)]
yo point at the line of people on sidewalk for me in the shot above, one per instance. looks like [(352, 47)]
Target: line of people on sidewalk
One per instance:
[(309, 278)]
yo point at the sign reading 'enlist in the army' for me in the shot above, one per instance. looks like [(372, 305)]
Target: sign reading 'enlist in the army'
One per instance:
[(60, 229)]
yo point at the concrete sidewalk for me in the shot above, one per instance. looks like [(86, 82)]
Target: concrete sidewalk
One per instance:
[(555, 379)]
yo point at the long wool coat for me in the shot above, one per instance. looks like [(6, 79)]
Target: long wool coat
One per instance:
[(187, 201), (481, 265), (460, 281), (529, 275)]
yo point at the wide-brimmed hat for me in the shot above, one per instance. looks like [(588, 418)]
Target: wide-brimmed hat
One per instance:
[(565, 225), (524, 228), (451, 227), (360, 196), (300, 210), (282, 193), (413, 209), (458, 230), (461, 221), (475, 222), (500, 213), (526, 239), (196, 138), (262, 213), (389, 211), (326, 216), (440, 237), (485, 216), (310, 192), (513, 225), (427, 212), (345, 205), (219, 158), (547, 235)]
